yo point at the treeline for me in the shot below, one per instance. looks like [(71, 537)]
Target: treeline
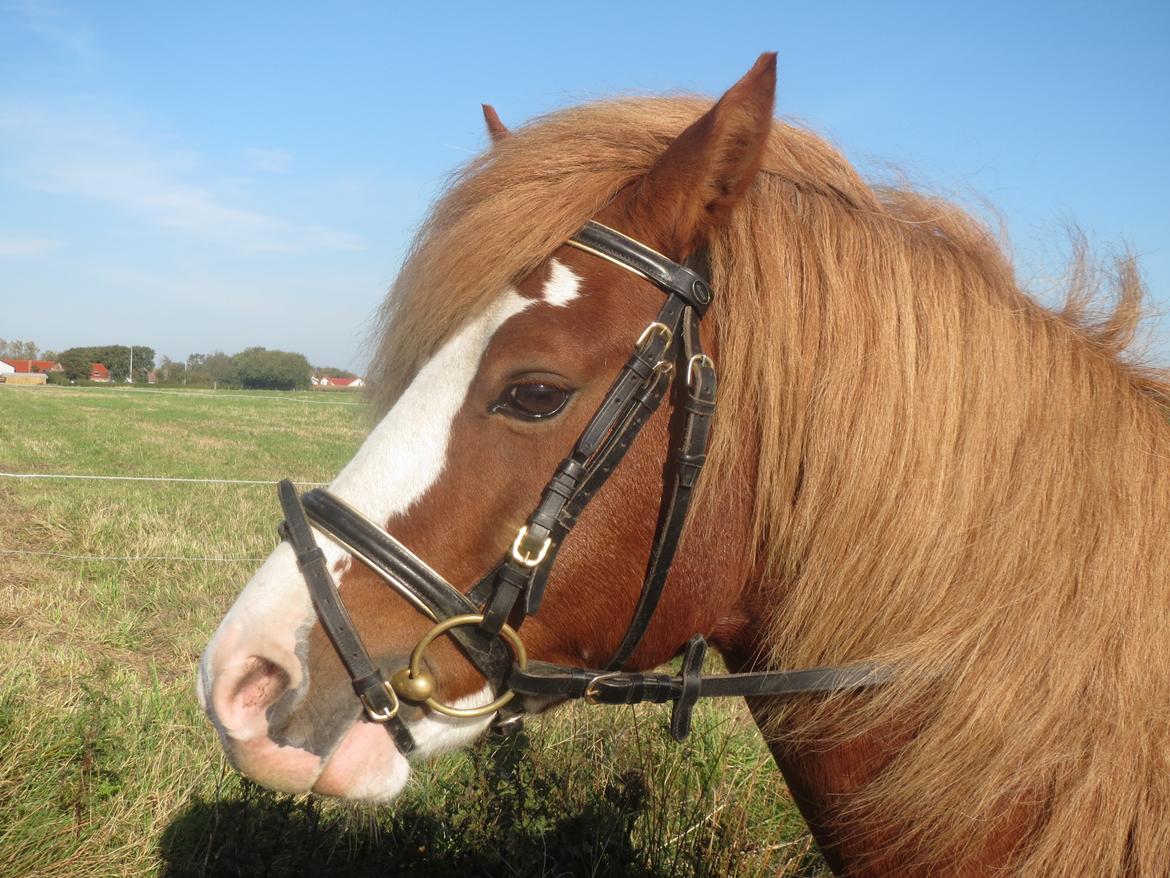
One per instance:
[(252, 368)]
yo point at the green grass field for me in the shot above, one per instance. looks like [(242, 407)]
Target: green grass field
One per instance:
[(107, 766)]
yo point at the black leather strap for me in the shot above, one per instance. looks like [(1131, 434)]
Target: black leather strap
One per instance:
[(692, 682), (369, 684), (687, 463), (545, 681), (664, 273)]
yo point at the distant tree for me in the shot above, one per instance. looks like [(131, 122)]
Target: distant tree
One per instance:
[(333, 372), (272, 370), (48, 355), (209, 369), (76, 363), (170, 372), (18, 350), (220, 367)]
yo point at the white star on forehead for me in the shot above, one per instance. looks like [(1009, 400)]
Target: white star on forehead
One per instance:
[(562, 286)]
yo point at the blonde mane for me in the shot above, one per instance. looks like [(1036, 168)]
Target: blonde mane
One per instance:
[(950, 476)]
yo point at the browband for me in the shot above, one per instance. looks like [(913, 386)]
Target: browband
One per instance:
[(666, 274)]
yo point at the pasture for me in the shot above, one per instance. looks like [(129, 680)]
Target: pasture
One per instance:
[(109, 591)]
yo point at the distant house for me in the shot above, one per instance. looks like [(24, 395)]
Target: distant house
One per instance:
[(27, 371), (98, 372), (328, 381), (32, 367), (152, 378)]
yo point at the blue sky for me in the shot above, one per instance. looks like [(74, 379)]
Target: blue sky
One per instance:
[(218, 175)]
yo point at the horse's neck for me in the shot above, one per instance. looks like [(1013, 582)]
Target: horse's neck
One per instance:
[(824, 781)]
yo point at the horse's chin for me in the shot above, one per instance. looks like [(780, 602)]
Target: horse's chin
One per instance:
[(364, 766)]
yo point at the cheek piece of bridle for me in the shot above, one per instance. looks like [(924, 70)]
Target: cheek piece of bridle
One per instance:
[(478, 621)]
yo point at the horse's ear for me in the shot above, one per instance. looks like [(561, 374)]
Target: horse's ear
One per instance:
[(703, 174), (496, 129)]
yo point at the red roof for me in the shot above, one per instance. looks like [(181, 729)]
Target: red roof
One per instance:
[(26, 367), (342, 382), (98, 372)]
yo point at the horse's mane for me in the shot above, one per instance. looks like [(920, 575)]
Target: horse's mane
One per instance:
[(951, 477)]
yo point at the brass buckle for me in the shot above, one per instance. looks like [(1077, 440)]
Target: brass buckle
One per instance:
[(527, 558), (416, 673), (383, 716), (590, 696), (655, 327), (694, 376), (663, 371)]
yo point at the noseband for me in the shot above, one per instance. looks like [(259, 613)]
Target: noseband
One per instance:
[(668, 354)]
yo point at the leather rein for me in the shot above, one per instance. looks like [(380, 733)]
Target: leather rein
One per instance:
[(668, 353)]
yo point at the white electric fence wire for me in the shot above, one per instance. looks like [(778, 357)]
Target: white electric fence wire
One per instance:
[(197, 394), (197, 481), (217, 560), (70, 476)]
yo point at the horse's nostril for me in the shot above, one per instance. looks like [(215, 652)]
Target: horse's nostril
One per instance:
[(243, 692), (260, 684)]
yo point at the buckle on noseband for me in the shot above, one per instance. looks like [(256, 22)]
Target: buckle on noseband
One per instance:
[(381, 716), (523, 556), (415, 683)]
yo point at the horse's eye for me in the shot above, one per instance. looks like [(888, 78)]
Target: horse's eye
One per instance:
[(531, 401)]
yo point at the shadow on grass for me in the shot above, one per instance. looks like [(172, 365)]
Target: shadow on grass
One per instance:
[(284, 836), (504, 829), (511, 817)]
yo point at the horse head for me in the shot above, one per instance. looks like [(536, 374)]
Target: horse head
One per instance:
[(461, 458)]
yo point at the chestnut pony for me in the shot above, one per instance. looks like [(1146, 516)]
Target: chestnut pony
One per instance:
[(912, 463)]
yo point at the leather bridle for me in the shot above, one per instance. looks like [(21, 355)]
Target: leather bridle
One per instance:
[(668, 353)]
